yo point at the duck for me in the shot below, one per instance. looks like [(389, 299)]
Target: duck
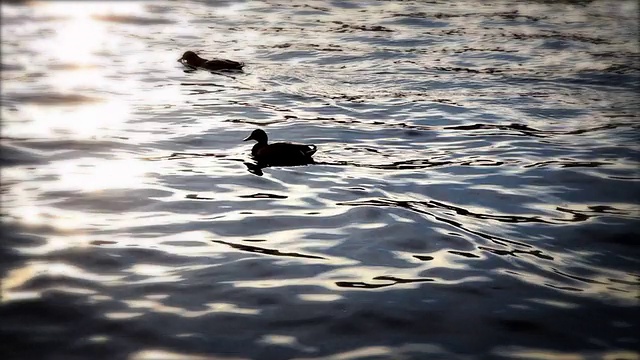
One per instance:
[(281, 153), (191, 59)]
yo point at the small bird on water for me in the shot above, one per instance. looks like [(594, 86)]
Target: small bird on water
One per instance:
[(192, 59), (282, 153)]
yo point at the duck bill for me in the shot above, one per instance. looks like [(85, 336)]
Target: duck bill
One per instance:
[(250, 137)]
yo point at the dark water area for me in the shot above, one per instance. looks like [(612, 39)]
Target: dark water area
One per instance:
[(475, 193)]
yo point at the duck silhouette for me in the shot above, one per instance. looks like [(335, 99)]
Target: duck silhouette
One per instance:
[(281, 153), (192, 60)]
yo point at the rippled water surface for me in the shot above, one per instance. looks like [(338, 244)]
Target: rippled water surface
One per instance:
[(475, 192)]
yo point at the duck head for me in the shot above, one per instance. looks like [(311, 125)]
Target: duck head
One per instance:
[(190, 57), (258, 135)]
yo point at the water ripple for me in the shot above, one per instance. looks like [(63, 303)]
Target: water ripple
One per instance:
[(474, 193)]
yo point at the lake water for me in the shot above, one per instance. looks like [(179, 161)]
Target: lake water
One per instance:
[(475, 192)]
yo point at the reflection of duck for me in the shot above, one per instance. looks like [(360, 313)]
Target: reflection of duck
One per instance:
[(192, 59), (279, 153)]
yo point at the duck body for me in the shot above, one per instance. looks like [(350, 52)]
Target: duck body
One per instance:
[(192, 59), (282, 153)]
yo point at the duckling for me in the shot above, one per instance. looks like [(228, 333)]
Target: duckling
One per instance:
[(192, 59)]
